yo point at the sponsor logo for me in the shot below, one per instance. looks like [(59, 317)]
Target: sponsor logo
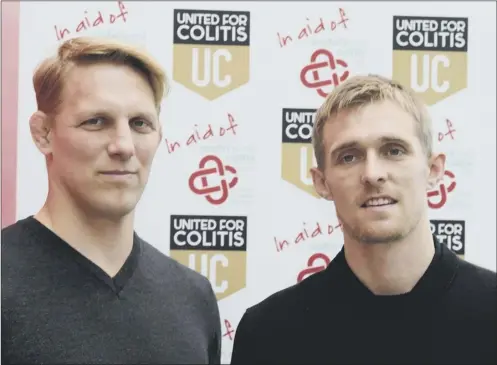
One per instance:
[(438, 197), (211, 50), (323, 59), (214, 246), (430, 55), (211, 166), (450, 233), (316, 263), (297, 154)]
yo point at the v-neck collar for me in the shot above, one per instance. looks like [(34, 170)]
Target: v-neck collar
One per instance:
[(60, 247)]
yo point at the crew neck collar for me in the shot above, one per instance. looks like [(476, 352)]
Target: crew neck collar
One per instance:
[(436, 279)]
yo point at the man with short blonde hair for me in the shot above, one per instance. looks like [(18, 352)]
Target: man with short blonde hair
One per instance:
[(393, 294), (79, 286)]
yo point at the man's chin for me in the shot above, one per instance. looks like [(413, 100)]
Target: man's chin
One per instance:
[(380, 239), (379, 235), (115, 207)]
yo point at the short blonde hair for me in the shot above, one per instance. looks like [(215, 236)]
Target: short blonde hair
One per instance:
[(359, 91), (48, 78)]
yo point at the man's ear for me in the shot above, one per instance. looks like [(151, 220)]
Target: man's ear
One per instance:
[(437, 170), (40, 127), (320, 184)]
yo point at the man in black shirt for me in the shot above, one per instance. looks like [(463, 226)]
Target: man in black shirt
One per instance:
[(393, 294), (79, 286)]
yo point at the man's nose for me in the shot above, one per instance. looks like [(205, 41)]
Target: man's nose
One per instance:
[(374, 172), (122, 142)]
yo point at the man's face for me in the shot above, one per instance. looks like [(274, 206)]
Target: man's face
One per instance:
[(104, 138), (376, 172)]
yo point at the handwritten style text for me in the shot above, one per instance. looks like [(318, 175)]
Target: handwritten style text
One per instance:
[(307, 234), (230, 331), (449, 133), (92, 22), (309, 30), (198, 136)]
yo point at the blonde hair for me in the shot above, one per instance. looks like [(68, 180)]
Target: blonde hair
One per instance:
[(49, 77), (359, 91)]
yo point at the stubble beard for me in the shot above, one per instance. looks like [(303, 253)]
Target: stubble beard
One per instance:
[(369, 235)]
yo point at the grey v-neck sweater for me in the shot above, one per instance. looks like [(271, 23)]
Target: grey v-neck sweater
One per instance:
[(60, 308)]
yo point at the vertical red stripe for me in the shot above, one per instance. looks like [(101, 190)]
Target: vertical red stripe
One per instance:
[(10, 92)]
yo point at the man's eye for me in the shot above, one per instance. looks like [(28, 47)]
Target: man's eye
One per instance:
[(140, 124), (395, 151), (94, 122), (348, 158)]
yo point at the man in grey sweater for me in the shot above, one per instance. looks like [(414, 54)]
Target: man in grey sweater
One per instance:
[(79, 286)]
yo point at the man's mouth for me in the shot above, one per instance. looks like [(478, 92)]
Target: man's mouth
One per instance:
[(117, 172), (378, 202)]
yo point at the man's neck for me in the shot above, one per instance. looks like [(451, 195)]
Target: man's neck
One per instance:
[(107, 243), (392, 268)]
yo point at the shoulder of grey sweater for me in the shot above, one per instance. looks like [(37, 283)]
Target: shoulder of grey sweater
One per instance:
[(162, 266), (188, 284)]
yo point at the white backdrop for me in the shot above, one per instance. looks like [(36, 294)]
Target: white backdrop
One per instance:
[(265, 79)]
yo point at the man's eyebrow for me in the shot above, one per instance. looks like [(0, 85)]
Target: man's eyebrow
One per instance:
[(344, 146), (356, 144), (146, 115), (391, 139), (90, 112)]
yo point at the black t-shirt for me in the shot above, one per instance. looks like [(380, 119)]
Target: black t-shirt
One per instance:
[(60, 308), (450, 317)]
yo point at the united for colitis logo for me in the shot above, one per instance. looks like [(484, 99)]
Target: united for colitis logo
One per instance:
[(430, 55), (211, 50)]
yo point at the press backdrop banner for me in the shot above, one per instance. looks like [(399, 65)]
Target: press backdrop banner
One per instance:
[(230, 194)]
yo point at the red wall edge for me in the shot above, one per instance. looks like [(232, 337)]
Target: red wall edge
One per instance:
[(10, 92)]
